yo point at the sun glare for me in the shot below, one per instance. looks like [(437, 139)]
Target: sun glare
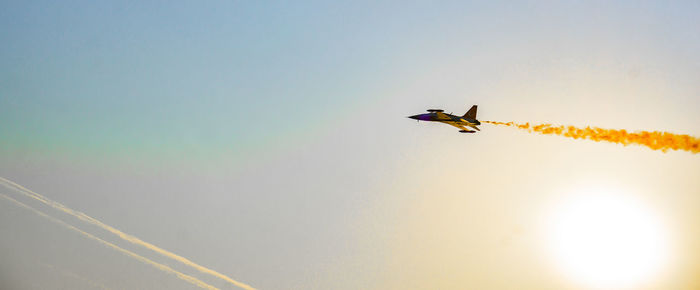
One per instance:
[(605, 239)]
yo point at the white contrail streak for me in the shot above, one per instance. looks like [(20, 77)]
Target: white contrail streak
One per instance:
[(124, 236), (162, 267)]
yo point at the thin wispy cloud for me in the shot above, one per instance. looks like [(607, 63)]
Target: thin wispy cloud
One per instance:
[(76, 276)]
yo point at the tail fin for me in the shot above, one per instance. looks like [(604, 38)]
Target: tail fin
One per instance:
[(471, 114)]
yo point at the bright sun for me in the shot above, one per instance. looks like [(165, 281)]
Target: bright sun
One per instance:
[(604, 239)]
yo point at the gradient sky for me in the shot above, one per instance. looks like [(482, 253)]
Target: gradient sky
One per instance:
[(268, 140)]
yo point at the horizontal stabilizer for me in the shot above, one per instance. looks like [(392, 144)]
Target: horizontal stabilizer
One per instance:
[(466, 131)]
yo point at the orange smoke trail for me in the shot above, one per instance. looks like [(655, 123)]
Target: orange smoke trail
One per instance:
[(655, 140)]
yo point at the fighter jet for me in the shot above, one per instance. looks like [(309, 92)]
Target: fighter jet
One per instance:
[(436, 115)]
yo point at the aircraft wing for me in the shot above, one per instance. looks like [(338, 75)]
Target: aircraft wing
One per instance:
[(460, 127), (442, 116)]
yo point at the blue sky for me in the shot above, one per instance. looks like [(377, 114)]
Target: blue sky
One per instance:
[(268, 140), (194, 77)]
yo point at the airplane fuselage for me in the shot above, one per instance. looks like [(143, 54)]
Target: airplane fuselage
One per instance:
[(446, 118), (468, 120)]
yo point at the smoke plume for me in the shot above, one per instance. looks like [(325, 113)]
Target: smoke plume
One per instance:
[(654, 140)]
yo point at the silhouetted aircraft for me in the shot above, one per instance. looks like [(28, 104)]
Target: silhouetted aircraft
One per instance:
[(469, 119)]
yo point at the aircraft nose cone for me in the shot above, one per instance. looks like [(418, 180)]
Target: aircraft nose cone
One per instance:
[(414, 117)]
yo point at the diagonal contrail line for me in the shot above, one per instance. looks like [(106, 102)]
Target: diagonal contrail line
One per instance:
[(124, 236), (162, 267)]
